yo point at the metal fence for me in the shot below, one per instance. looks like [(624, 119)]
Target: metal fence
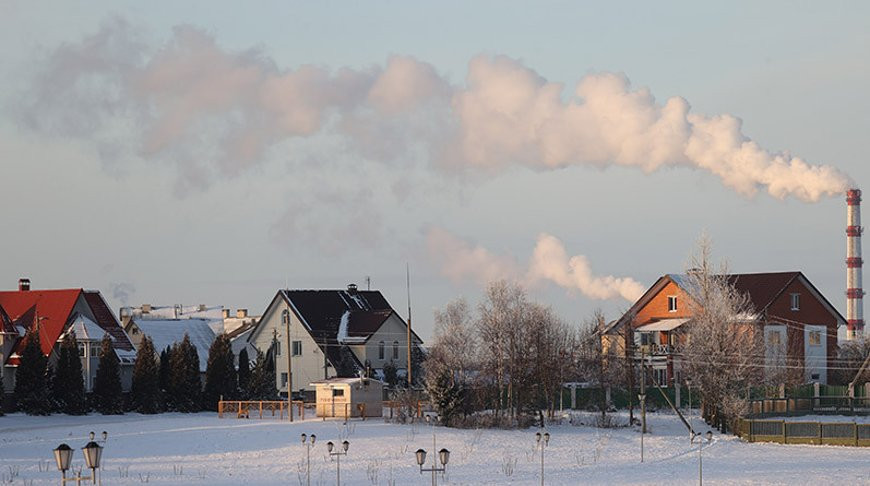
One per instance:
[(821, 433)]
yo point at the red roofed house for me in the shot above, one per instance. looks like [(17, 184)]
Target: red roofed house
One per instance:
[(800, 325), (55, 313)]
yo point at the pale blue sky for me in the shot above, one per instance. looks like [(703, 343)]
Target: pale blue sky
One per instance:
[(796, 73)]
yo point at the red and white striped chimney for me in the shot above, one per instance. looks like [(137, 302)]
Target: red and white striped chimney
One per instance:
[(854, 264)]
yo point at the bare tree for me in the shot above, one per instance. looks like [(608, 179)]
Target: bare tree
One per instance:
[(724, 340), (599, 364)]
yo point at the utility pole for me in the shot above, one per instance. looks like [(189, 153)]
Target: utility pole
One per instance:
[(408, 283), (643, 389), (286, 315)]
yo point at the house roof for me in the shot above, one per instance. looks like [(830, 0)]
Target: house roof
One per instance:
[(6, 326), (662, 325), (166, 332), (107, 321), (51, 308), (762, 289)]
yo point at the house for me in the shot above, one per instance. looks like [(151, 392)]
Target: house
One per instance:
[(166, 332), (349, 397), (332, 333), (213, 314), (799, 324), (55, 313)]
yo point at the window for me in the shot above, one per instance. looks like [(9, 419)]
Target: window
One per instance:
[(95, 350), (338, 392), (283, 380), (395, 349), (645, 338), (672, 303), (277, 347), (815, 338), (82, 350), (381, 350), (795, 302), (773, 338), (297, 348)]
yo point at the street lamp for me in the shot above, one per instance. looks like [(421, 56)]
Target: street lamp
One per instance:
[(443, 454), (642, 398), (93, 453), (543, 441), (709, 436), (337, 455), (309, 443), (689, 387)]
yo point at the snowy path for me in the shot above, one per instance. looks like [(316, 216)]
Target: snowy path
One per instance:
[(202, 449)]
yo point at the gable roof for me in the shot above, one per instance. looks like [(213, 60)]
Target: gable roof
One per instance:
[(762, 289), (107, 321), (51, 308), (166, 332), (6, 326)]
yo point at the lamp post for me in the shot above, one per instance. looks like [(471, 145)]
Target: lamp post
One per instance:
[(689, 387), (642, 398), (709, 436), (337, 455), (309, 443), (93, 453), (543, 441), (443, 454), (286, 318)]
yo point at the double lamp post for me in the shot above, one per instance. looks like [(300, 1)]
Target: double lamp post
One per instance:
[(92, 451)]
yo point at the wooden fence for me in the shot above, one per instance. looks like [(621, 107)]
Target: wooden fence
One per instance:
[(809, 405), (243, 408), (819, 433)]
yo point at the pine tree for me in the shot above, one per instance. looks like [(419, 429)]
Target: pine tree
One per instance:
[(2, 392), (108, 397), (145, 392), (447, 395), (391, 373), (184, 382), (163, 379), (262, 386), (220, 373), (244, 375), (68, 383), (31, 389)]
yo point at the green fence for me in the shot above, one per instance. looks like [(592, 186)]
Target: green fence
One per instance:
[(819, 433)]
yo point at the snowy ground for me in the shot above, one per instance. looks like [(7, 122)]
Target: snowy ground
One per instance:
[(203, 449)]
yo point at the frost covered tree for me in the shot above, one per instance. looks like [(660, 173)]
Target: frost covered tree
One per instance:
[(244, 375), (31, 387), (724, 341), (145, 392), (185, 385), (594, 363), (108, 397), (68, 383), (220, 373), (447, 395), (852, 355)]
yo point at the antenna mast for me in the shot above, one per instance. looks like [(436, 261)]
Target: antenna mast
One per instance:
[(408, 288)]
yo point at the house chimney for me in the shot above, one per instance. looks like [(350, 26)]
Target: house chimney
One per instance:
[(854, 267), (351, 288), (23, 284), (226, 313), (242, 313), (146, 308)]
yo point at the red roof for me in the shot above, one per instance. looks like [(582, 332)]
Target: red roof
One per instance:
[(52, 308), (6, 323), (107, 321)]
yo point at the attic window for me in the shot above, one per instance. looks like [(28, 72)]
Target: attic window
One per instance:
[(795, 302), (395, 349), (381, 350), (672, 303)]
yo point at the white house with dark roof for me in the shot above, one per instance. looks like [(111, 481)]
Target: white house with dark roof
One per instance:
[(332, 333)]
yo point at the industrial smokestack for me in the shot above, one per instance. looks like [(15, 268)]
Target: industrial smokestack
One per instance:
[(854, 265)]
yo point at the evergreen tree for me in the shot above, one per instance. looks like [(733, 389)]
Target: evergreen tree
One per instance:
[(391, 373), (68, 383), (447, 395), (31, 389), (2, 392), (262, 386), (108, 397), (220, 373), (145, 392), (185, 386), (165, 398), (244, 375)]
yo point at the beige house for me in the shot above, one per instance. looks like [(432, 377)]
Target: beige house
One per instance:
[(332, 333), (349, 397)]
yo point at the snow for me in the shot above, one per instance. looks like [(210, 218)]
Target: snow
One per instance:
[(166, 332), (203, 449), (342, 327)]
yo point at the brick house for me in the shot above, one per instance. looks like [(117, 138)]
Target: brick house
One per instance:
[(800, 324)]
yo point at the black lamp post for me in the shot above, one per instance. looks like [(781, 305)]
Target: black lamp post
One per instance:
[(309, 443), (642, 398), (93, 453), (337, 454)]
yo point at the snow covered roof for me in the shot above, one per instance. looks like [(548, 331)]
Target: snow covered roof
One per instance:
[(663, 325), (89, 331), (166, 332), (344, 381)]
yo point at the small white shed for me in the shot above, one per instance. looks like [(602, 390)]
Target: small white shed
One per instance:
[(349, 397)]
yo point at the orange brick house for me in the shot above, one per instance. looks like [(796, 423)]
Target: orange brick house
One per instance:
[(800, 324)]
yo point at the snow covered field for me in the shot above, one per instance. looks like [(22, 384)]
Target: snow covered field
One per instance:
[(203, 449)]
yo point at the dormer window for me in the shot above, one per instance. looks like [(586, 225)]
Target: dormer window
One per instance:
[(795, 302), (672, 303)]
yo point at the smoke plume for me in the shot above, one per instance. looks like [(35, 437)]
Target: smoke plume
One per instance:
[(212, 112), (460, 260)]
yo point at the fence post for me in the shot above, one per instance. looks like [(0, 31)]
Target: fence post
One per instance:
[(784, 434), (261, 409), (819, 425), (855, 425)]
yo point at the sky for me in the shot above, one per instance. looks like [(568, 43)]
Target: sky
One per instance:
[(200, 152)]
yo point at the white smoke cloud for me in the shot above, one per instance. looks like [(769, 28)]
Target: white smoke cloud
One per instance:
[(215, 112), (460, 260)]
